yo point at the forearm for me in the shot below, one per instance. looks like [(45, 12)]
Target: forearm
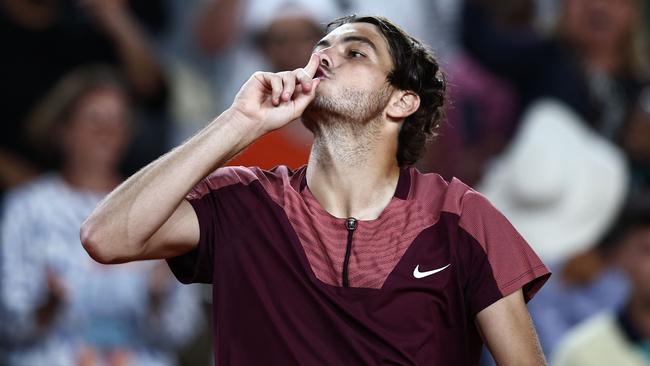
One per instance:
[(121, 225)]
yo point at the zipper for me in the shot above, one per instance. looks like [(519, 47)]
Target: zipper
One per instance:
[(350, 225)]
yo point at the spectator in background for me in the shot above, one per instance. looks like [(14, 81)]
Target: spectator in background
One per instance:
[(480, 112), (44, 39), (275, 35), (596, 63), (562, 185), (620, 336), (480, 116), (58, 306)]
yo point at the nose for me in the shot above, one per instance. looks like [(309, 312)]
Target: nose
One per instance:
[(325, 57), (325, 60)]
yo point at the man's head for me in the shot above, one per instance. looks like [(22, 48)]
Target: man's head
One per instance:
[(371, 71)]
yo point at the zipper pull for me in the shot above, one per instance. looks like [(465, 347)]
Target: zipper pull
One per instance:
[(351, 225)]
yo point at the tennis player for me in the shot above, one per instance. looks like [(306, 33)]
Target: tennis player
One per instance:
[(354, 259)]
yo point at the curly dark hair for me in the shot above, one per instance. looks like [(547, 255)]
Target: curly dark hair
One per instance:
[(415, 69)]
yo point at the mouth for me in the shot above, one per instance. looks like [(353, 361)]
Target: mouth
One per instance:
[(321, 73)]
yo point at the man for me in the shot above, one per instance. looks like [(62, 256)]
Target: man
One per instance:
[(355, 259)]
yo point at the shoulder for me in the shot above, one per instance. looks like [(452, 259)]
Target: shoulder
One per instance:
[(273, 181), (465, 201), (453, 196), (476, 214)]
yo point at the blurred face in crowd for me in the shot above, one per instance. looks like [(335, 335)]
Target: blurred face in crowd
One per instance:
[(355, 63), (636, 261), (593, 23), (288, 42), (97, 130)]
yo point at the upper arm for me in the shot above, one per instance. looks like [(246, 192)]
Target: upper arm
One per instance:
[(177, 236), (508, 332)]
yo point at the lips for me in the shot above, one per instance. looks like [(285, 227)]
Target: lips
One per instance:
[(321, 73)]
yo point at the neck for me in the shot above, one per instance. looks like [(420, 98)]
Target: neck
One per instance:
[(354, 173), (98, 178), (639, 313)]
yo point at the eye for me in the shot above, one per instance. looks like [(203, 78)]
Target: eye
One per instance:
[(355, 54)]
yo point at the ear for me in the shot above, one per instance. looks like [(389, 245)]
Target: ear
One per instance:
[(402, 104)]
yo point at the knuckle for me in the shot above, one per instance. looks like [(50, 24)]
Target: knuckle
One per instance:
[(301, 72)]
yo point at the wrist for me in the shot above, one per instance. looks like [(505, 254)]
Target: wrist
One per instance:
[(248, 126)]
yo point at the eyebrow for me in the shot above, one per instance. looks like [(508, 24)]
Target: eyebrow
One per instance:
[(348, 39)]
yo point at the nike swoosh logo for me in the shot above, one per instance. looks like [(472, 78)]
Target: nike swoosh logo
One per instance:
[(418, 274)]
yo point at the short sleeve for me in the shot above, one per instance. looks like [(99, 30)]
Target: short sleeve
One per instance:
[(198, 264), (221, 201), (497, 259)]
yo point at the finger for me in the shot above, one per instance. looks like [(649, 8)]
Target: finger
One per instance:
[(303, 79), (309, 71), (312, 65), (303, 99), (289, 85), (299, 90), (276, 87)]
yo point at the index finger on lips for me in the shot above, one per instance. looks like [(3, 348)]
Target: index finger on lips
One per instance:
[(312, 65), (306, 75)]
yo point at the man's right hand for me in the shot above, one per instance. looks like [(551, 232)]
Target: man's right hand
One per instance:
[(274, 99), (147, 217)]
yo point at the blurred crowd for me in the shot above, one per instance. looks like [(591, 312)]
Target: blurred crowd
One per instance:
[(548, 116)]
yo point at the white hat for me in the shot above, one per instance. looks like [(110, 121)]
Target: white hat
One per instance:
[(559, 183), (260, 14)]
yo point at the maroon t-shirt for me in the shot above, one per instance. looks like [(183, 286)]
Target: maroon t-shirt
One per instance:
[(415, 277)]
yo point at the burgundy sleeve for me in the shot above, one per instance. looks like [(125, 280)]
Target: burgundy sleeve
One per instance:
[(198, 264), (498, 260)]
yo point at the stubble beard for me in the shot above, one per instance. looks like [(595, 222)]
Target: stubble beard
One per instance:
[(346, 126), (351, 107)]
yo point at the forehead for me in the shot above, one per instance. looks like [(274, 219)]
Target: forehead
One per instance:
[(366, 30)]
